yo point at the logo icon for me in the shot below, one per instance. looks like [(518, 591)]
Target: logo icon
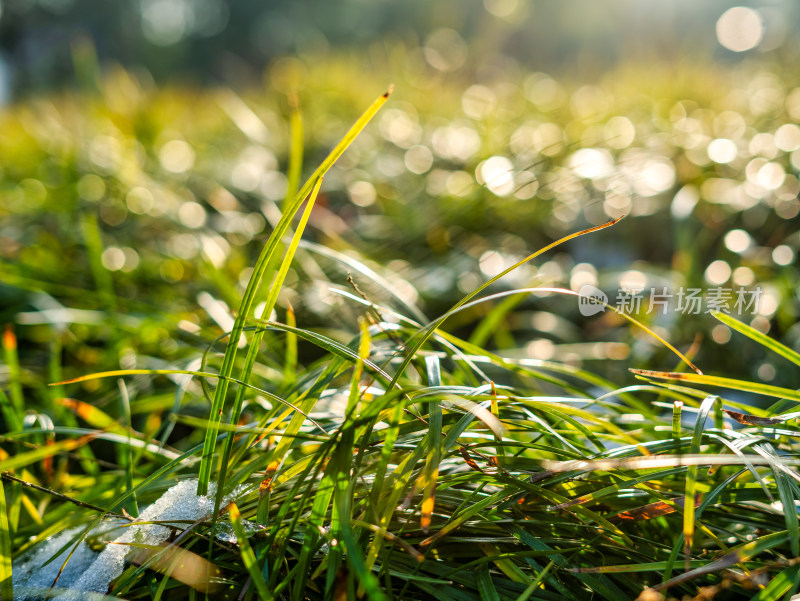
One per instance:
[(592, 300)]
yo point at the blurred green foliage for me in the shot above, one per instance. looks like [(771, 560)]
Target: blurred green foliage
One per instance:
[(129, 215)]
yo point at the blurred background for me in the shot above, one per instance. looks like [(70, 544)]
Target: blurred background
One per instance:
[(230, 43), (145, 148)]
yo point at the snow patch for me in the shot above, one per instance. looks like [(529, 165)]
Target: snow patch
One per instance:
[(90, 572)]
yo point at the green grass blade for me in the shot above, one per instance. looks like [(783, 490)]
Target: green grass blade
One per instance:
[(10, 413), (486, 588), (426, 333), (328, 344), (126, 455), (721, 382), (290, 356), (24, 459), (431, 471), (15, 409), (764, 340), (378, 484), (6, 585), (526, 594), (691, 477), (342, 460), (787, 493), (677, 407), (315, 523), (472, 510), (785, 583), (255, 343), (259, 273), (248, 557)]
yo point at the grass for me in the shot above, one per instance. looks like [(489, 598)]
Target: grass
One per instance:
[(388, 456)]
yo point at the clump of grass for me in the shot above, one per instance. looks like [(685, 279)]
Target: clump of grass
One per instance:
[(404, 462)]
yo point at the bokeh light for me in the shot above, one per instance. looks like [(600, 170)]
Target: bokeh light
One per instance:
[(497, 174), (783, 255), (718, 272), (445, 49), (738, 241), (722, 150), (740, 29)]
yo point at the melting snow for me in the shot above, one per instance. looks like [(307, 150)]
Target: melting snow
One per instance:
[(90, 572)]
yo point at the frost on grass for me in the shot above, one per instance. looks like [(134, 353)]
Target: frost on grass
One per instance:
[(89, 572), (32, 578)]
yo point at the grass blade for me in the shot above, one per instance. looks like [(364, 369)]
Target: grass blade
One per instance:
[(248, 557), (486, 588), (15, 409), (6, 584), (526, 594), (259, 273), (764, 340), (255, 343), (721, 382), (426, 333), (25, 459), (784, 583), (691, 477), (431, 471)]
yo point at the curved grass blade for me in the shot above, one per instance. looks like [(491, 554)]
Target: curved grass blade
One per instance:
[(199, 374), (363, 269), (24, 459), (426, 333), (290, 357), (473, 509), (259, 273), (737, 555), (764, 340), (661, 461), (787, 492), (721, 382), (327, 344), (631, 319)]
